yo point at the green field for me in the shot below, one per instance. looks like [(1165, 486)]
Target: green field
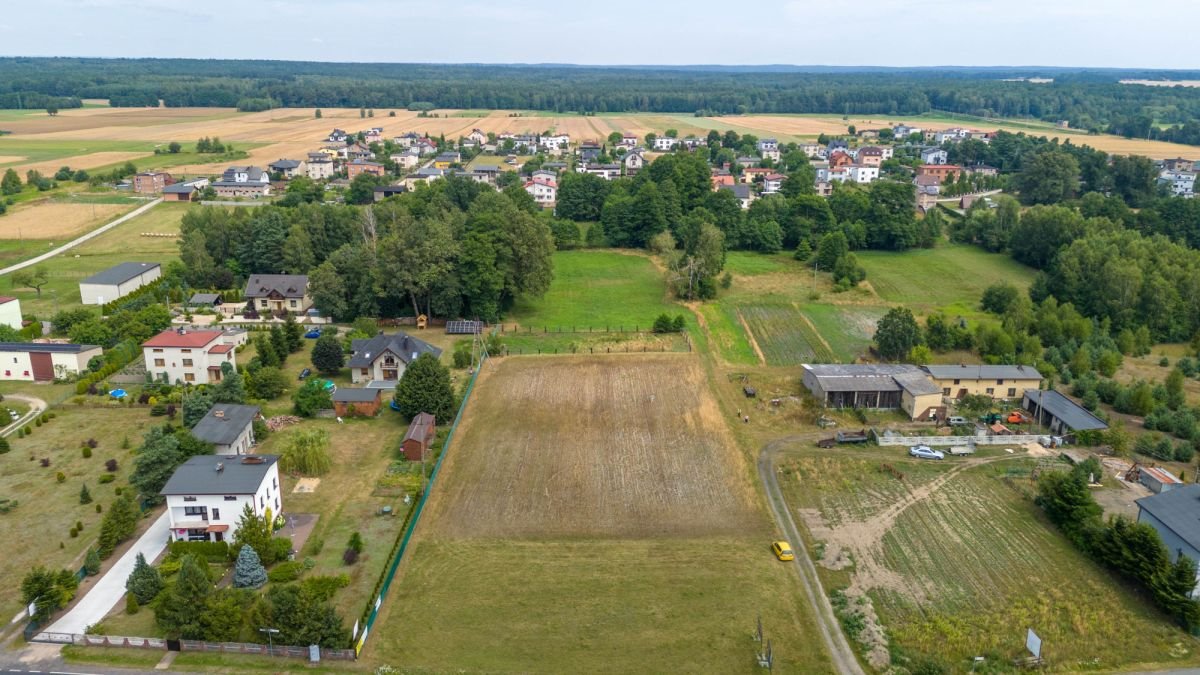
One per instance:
[(44, 150), (783, 336), (950, 277), (598, 289), (121, 244), (725, 335), (847, 328)]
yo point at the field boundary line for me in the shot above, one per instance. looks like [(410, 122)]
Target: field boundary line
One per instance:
[(373, 609), (762, 360), (81, 239), (817, 333)]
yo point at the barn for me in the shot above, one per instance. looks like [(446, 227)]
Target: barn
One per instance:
[(874, 386), (117, 282), (1062, 415), (419, 437), (44, 362)]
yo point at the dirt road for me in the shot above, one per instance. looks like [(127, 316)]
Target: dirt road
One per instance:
[(835, 640)]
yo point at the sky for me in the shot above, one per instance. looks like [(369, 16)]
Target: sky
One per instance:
[(1096, 33)]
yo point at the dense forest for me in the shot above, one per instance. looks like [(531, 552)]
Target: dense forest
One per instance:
[(1092, 100)]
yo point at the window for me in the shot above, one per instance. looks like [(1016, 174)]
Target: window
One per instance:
[(201, 511), (187, 363), (957, 381), (999, 381), (186, 351), (262, 302), (159, 363), (200, 534), (292, 303), (230, 498), (189, 377), (945, 391), (1012, 392), (189, 499), (261, 503), (275, 482), (157, 351), (216, 513), (277, 505), (990, 391)]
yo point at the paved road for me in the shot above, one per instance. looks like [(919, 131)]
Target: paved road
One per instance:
[(835, 641), (110, 588), (47, 659), (75, 242)]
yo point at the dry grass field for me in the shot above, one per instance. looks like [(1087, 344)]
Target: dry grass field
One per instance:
[(47, 220), (593, 515), (89, 161)]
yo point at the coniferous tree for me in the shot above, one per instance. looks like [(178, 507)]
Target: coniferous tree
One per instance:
[(249, 571), (425, 387), (144, 582)]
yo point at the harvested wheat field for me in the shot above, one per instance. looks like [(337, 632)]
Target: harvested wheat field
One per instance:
[(88, 161), (607, 446), (593, 515), (57, 221)]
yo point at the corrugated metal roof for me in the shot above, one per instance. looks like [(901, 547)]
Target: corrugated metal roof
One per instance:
[(1179, 510), (1066, 410), (984, 372), (119, 274)]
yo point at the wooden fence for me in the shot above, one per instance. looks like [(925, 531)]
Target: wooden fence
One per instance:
[(191, 646)]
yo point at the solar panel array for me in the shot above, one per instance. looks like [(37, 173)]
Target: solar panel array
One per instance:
[(464, 327)]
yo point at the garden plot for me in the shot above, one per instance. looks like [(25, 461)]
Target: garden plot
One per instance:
[(784, 336)]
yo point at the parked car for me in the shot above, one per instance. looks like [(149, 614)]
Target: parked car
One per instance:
[(926, 452), (955, 420), (305, 373), (783, 551), (313, 334)]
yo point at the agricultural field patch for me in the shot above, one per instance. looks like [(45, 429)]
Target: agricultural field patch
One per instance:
[(848, 329), (784, 336), (58, 220), (724, 333), (598, 289), (951, 276)]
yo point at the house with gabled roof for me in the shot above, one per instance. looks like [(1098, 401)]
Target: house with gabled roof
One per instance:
[(384, 357), (278, 293), (229, 427), (288, 168), (185, 355), (243, 181), (207, 494)]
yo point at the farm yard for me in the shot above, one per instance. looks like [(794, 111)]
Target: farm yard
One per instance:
[(957, 562), (639, 550)]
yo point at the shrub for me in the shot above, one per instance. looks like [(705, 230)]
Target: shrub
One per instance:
[(28, 430), (91, 443), (85, 497), (106, 478), (74, 533), (44, 418), (350, 556), (131, 604), (91, 564), (158, 410), (356, 542), (4, 446), (285, 572), (281, 549), (98, 507), (60, 477), (314, 545), (210, 551), (323, 587), (37, 421), (79, 525), (45, 461), (663, 324), (169, 567), (21, 432), (86, 451), (110, 465), (249, 572)]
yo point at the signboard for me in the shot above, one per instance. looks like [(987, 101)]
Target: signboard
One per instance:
[(361, 641), (1034, 644)]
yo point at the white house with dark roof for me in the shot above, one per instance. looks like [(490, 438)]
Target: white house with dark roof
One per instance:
[(117, 282), (383, 358), (277, 293), (229, 427), (207, 493), (243, 181)]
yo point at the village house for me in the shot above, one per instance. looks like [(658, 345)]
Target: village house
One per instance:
[(117, 282), (605, 171), (357, 402), (229, 427), (870, 156), (423, 175), (150, 182), (188, 356), (772, 183), (767, 144), (184, 191), (477, 137), (45, 361), (633, 160), (207, 494), (274, 294), (1175, 515), (337, 136), (823, 188), (555, 142), (355, 151), (373, 135), (981, 170), (945, 172), (997, 382), (934, 156), (543, 190), (1179, 164), (384, 357), (361, 166), (288, 168), (902, 131), (382, 192), (319, 166), (589, 151), (410, 139), (742, 193), (811, 150), (751, 173), (840, 158), (858, 173), (418, 438), (490, 172), (665, 143), (1179, 183), (445, 159), (243, 181), (628, 141), (722, 177)]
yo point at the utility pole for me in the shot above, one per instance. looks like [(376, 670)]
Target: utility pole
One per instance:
[(270, 638)]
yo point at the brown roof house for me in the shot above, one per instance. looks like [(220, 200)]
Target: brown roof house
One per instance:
[(278, 293), (355, 402), (419, 437)]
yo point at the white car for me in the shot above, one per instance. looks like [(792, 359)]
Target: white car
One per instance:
[(926, 452)]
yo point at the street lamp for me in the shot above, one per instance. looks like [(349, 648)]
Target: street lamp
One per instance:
[(270, 638)]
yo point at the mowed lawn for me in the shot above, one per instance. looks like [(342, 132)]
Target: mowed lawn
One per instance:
[(593, 515), (598, 289), (37, 531), (950, 277), (124, 243)]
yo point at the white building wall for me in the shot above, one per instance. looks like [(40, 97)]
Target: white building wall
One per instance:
[(16, 366), (10, 314), (173, 358), (227, 511)]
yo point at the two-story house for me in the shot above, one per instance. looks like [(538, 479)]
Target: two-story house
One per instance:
[(319, 166), (934, 156), (288, 168), (555, 142), (633, 160), (229, 427), (477, 137), (183, 355), (407, 160), (361, 166), (996, 381), (337, 136), (243, 181), (383, 358), (151, 182), (665, 143), (207, 494), (278, 293), (544, 190)]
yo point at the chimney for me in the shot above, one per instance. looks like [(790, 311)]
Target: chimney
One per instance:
[(219, 414), (181, 330), (219, 467)]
